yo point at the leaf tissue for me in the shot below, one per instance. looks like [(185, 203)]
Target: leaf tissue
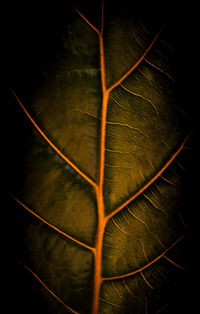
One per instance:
[(103, 164)]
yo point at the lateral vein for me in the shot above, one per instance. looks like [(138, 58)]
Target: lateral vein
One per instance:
[(52, 145), (50, 291), (87, 21), (137, 63), (141, 96), (177, 265), (52, 226), (147, 265), (117, 210), (114, 304), (146, 280), (126, 125), (159, 69)]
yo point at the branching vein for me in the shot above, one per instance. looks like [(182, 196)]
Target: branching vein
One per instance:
[(50, 291), (137, 63), (177, 265), (117, 210), (141, 96), (87, 21), (146, 280), (126, 125), (147, 265), (53, 146), (159, 69), (51, 226)]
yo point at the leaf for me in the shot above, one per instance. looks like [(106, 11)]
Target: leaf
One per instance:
[(104, 167)]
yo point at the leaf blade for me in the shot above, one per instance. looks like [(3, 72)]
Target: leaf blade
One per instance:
[(126, 148)]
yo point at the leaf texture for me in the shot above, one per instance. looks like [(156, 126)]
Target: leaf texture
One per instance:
[(102, 191)]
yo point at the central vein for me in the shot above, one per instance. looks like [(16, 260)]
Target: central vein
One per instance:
[(99, 189)]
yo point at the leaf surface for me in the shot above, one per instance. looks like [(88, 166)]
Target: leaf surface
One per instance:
[(104, 167)]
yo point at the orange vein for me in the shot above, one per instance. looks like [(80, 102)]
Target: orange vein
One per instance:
[(117, 210), (168, 181), (147, 265), (99, 188), (50, 225), (87, 21), (177, 265), (53, 146), (137, 63), (146, 280), (100, 201), (111, 303), (50, 291)]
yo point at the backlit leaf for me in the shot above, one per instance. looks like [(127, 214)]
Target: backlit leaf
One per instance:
[(103, 167)]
